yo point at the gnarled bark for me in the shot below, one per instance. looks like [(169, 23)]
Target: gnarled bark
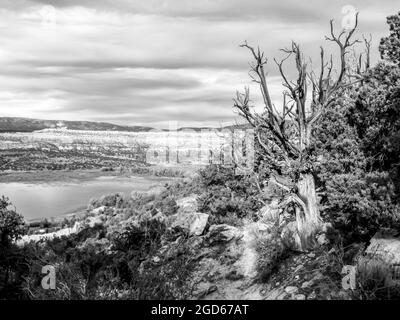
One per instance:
[(307, 217)]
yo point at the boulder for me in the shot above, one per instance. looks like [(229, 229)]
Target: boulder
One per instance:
[(187, 204), (98, 210), (78, 226), (385, 245), (198, 224), (223, 233), (307, 284), (93, 221), (291, 290), (194, 222)]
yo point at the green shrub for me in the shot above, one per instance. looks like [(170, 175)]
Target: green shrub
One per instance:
[(142, 239), (374, 277), (12, 225), (226, 194), (167, 205), (111, 200), (271, 250), (169, 278)]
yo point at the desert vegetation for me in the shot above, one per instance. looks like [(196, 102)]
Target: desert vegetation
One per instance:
[(324, 194)]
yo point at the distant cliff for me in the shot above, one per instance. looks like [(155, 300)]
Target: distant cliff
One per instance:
[(13, 124), (16, 124)]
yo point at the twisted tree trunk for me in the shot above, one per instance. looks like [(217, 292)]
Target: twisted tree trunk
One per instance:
[(307, 218)]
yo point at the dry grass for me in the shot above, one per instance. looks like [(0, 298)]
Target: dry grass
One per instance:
[(375, 281)]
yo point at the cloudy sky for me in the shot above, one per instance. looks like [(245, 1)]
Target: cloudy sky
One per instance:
[(153, 61)]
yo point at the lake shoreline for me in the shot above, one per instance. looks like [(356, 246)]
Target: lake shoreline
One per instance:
[(55, 195), (66, 176), (48, 176)]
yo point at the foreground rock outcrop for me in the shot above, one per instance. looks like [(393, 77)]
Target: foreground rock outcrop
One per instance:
[(385, 245)]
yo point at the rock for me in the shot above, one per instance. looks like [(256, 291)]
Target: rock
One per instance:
[(199, 224), (311, 255), (224, 232), (307, 284), (187, 204), (194, 222), (78, 226), (385, 245), (312, 296), (281, 296), (93, 221), (98, 210), (322, 239), (247, 264), (318, 276), (212, 289), (201, 294), (275, 294), (291, 290), (300, 297)]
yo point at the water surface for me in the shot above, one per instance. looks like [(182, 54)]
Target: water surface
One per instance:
[(35, 200)]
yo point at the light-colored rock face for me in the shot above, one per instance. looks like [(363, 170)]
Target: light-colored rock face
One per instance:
[(98, 210), (194, 222), (187, 204), (228, 270), (385, 247), (187, 216), (93, 221), (221, 273), (248, 261), (51, 235), (198, 224), (291, 290)]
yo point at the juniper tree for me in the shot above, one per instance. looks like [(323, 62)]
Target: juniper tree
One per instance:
[(285, 136)]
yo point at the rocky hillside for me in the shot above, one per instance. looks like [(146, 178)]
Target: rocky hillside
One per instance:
[(202, 237), (14, 124)]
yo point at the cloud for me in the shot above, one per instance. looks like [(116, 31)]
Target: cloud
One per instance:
[(145, 62)]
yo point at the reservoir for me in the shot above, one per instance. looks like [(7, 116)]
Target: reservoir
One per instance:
[(37, 200)]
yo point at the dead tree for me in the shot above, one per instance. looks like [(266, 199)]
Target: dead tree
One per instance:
[(285, 136)]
